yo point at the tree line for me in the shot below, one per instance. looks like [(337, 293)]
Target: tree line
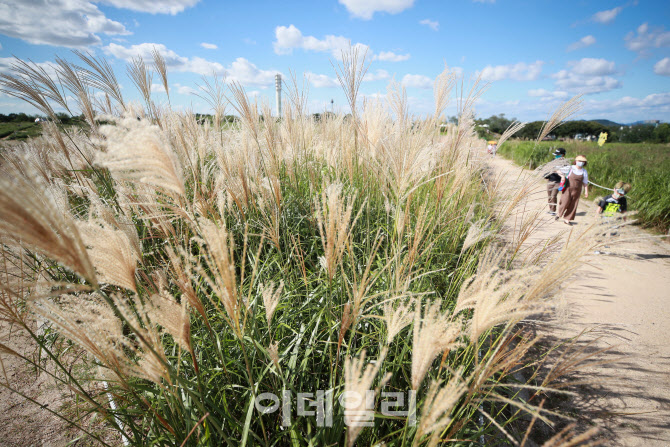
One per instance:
[(638, 133)]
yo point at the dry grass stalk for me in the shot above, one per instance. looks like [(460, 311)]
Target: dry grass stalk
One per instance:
[(26, 90), (333, 214), (435, 413), (161, 67), (565, 111), (350, 73), (214, 95), (164, 310), (138, 152), (75, 83), (273, 352), (397, 318), (218, 272), (444, 84), (30, 216), (566, 438), (358, 383), (101, 76), (434, 332), (112, 252), (91, 323), (511, 130), (397, 98), (271, 299), (476, 233)]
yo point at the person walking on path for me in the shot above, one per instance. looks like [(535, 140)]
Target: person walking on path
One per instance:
[(573, 179), (553, 180)]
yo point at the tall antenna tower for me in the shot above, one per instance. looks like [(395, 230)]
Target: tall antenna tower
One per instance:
[(278, 88)]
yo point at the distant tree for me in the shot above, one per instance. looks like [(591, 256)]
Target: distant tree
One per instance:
[(661, 133), (497, 123)]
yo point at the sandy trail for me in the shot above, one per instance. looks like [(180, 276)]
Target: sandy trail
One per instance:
[(620, 300)]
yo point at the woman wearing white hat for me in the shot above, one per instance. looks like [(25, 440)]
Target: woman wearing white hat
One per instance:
[(573, 178)]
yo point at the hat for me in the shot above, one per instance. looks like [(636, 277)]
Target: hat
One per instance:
[(559, 151), (622, 187), (493, 142), (580, 158)]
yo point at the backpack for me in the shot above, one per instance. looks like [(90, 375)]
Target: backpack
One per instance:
[(565, 183)]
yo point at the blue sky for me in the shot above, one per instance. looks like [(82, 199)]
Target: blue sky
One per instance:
[(534, 53)]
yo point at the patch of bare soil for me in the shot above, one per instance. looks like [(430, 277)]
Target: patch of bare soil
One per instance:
[(24, 423)]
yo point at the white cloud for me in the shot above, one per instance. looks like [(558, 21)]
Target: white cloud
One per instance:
[(653, 105), (390, 56), (517, 72), (546, 95), (173, 60), (247, 73), (290, 37), (592, 67), (607, 16), (157, 88), (662, 67), (321, 81), (68, 23), (365, 9), (587, 76), (434, 25), (378, 75), (240, 70), (209, 46), (647, 38), (184, 89), (584, 42), (153, 6), (7, 62), (576, 83), (417, 81)]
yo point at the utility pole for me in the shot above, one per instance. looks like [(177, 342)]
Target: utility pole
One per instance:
[(278, 96), (332, 106)]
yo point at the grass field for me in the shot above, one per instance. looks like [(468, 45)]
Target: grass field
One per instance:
[(20, 130), (645, 166)]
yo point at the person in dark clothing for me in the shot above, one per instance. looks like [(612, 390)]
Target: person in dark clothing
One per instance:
[(553, 180), (615, 202)]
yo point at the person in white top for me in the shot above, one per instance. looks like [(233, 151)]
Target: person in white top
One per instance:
[(573, 179)]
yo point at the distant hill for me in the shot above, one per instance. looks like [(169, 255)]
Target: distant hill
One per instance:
[(607, 123)]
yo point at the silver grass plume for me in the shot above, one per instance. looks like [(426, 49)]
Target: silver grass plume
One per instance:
[(113, 253), (271, 299), (333, 214), (396, 318), (437, 406), (30, 216), (564, 112), (137, 151), (358, 382), (434, 332)]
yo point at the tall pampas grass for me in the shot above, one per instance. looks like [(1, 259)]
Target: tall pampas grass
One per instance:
[(187, 267), (30, 218), (135, 151)]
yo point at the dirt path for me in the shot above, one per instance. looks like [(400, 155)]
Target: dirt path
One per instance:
[(619, 300)]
